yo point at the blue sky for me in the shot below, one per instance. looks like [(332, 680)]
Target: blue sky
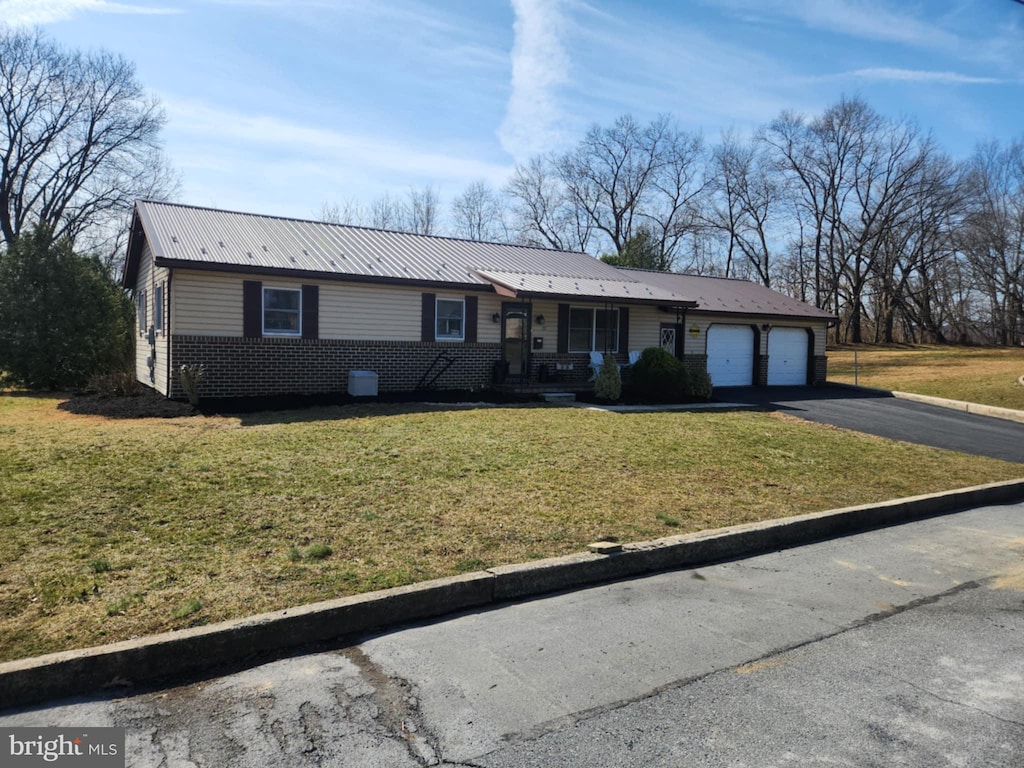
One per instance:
[(278, 106)]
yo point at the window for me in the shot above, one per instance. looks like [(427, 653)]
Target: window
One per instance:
[(593, 330), (140, 310), (282, 311), (158, 309), (450, 320)]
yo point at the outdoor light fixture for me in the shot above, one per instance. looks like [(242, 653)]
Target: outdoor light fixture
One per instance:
[(540, 319), (496, 317)]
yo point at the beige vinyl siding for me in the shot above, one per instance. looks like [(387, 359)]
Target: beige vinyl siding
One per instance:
[(207, 304), (645, 324), (149, 279), (210, 304)]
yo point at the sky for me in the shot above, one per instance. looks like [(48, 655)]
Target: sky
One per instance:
[(280, 106)]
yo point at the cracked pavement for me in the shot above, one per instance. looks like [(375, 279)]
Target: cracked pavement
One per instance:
[(900, 646)]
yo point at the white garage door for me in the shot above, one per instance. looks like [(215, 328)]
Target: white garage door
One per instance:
[(731, 355), (787, 356)]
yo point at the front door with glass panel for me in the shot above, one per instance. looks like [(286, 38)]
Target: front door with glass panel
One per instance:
[(669, 339), (515, 339)]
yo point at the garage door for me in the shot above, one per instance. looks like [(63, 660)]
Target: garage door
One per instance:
[(787, 356), (731, 355)]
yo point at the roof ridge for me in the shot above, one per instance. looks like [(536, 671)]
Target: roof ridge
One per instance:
[(690, 274), (363, 228)]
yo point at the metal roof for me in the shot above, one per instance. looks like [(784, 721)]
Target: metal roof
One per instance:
[(205, 238), (186, 235), (728, 295), (617, 287)]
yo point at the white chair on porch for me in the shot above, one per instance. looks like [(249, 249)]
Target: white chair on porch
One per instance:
[(596, 361)]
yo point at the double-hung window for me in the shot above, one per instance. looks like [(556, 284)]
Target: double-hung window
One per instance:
[(158, 309), (450, 318), (140, 309), (593, 330), (282, 311)]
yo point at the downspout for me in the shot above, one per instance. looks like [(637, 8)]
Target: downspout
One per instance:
[(681, 323), (167, 332)]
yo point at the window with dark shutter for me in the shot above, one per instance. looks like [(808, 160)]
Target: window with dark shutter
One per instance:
[(471, 320), (427, 319), (252, 309), (310, 312)]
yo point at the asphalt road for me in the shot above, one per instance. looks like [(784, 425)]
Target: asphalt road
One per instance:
[(886, 416), (900, 646)]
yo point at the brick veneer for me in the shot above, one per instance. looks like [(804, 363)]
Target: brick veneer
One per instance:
[(237, 367), (820, 369)]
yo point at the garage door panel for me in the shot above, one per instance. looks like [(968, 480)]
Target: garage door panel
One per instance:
[(787, 356), (730, 350)]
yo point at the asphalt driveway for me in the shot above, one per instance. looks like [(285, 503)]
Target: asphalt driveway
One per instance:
[(881, 414)]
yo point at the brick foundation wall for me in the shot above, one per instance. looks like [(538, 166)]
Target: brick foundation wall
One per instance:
[(237, 367), (761, 370), (820, 370)]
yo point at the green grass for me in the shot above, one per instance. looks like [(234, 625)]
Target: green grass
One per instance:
[(118, 528), (975, 374)]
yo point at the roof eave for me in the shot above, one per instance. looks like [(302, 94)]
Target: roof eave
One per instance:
[(303, 274)]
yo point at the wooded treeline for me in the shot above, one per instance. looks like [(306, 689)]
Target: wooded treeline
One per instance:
[(859, 214)]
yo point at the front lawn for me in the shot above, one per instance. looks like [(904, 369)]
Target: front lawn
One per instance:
[(116, 528), (985, 375)]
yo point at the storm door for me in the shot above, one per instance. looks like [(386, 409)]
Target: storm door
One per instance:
[(515, 339), (670, 339)]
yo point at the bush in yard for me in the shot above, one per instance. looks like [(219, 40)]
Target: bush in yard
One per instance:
[(658, 377), (700, 384), (608, 385), (62, 319)]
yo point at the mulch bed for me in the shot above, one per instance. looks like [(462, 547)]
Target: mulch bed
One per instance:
[(149, 405)]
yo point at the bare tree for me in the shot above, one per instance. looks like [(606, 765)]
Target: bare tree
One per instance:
[(386, 213), (350, 211), (421, 211), (541, 210), (79, 140), (745, 197), (477, 213), (626, 175), (992, 238)]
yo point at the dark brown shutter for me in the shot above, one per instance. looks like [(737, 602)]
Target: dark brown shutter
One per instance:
[(623, 329), (471, 309), (252, 309), (563, 328), (427, 326), (310, 312)]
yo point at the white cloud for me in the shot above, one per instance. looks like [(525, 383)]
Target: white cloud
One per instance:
[(866, 19), (210, 142), (540, 66), (918, 76), (31, 12)]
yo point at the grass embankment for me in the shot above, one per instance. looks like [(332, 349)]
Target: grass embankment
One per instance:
[(113, 529), (975, 374)]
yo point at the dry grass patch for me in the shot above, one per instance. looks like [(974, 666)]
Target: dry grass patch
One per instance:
[(121, 528), (978, 375)]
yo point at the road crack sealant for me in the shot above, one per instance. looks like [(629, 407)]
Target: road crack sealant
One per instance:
[(575, 718), (397, 708)]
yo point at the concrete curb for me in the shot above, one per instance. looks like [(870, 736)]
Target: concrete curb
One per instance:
[(1008, 414), (996, 412), (195, 651)]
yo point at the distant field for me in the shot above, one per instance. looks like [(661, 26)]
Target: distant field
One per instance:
[(978, 375), (117, 528)]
